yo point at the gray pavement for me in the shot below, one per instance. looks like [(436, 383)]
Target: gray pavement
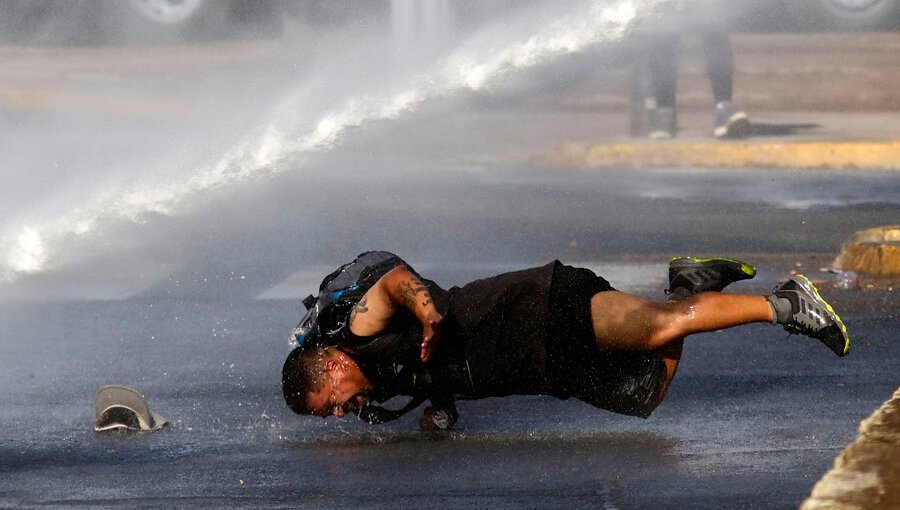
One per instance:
[(753, 419), (814, 101)]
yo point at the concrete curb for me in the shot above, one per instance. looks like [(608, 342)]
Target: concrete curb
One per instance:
[(56, 100), (874, 251), (867, 473), (726, 154)]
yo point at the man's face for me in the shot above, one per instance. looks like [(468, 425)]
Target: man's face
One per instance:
[(345, 389)]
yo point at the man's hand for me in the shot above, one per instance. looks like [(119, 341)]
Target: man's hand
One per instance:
[(431, 336), (439, 418)]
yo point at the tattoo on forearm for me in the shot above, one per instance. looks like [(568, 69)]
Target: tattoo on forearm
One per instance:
[(359, 308), (408, 291)]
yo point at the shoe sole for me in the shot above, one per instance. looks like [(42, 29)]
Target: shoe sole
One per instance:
[(730, 271), (811, 289), (744, 268), (738, 126)]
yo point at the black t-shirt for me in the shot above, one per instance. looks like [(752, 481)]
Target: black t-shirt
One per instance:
[(520, 333), (494, 342), (501, 324)]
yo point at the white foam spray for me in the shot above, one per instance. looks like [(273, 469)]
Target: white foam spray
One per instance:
[(39, 245)]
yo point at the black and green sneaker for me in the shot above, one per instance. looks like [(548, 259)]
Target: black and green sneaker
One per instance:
[(703, 275), (811, 315)]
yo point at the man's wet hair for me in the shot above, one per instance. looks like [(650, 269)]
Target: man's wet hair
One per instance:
[(303, 373)]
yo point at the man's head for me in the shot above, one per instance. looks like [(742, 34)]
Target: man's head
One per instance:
[(323, 381)]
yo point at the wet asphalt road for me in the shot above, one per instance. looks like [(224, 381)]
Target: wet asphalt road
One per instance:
[(754, 417), (194, 308)]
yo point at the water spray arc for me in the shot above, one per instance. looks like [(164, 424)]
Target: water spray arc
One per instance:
[(37, 246)]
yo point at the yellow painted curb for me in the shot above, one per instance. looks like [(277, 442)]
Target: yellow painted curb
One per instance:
[(36, 100), (829, 155), (874, 251)]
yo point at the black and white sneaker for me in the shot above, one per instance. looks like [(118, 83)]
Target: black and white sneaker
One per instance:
[(662, 123), (730, 121), (704, 275), (811, 316)]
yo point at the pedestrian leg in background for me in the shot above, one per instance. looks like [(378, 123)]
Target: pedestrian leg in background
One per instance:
[(730, 121), (662, 62)]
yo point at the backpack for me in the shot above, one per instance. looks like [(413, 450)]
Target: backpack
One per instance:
[(326, 314)]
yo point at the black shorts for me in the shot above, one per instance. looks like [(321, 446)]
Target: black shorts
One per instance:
[(619, 381)]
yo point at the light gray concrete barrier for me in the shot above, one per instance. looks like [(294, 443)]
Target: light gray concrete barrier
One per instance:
[(866, 475), (874, 251)]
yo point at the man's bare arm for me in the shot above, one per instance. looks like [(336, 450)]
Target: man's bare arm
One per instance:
[(398, 288)]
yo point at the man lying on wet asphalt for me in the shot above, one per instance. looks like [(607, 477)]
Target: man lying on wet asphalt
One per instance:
[(551, 330)]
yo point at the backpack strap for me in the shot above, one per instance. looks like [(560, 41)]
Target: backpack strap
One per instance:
[(377, 415), (327, 314)]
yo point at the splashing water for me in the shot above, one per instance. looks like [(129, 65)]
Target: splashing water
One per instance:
[(41, 245)]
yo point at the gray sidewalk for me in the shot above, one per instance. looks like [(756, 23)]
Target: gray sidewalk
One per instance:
[(815, 101)]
